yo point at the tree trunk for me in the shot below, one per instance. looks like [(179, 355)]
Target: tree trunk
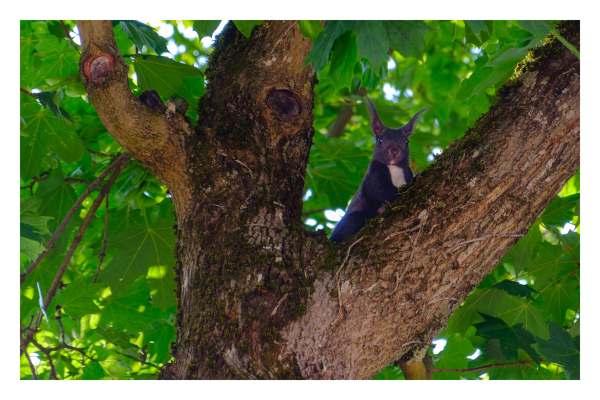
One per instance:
[(258, 296)]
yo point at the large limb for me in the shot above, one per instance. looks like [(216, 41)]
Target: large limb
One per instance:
[(155, 137)]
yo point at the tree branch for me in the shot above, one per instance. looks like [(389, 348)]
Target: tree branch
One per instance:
[(119, 163), (498, 178), (154, 136), (97, 152), (86, 222), (484, 367), (103, 252)]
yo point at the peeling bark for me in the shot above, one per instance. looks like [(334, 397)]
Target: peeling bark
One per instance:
[(258, 297)]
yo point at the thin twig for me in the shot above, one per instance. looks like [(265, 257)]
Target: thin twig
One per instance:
[(488, 235), (84, 225), (239, 162), (46, 352), (484, 367), (28, 93), (318, 210), (97, 152), (28, 327), (31, 366), (125, 158), (58, 319), (348, 255), (69, 36), (36, 179), (413, 342), (103, 252), (74, 180), (279, 204), (278, 304), (282, 36)]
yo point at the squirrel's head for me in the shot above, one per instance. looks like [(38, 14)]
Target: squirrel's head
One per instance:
[(391, 144)]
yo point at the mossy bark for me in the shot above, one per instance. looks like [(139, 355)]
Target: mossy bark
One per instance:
[(258, 297)]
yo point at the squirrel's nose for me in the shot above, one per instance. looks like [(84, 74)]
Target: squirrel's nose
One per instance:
[(395, 152)]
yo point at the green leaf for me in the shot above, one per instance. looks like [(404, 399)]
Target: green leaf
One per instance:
[(372, 41), (493, 352), (56, 66), (55, 28), (332, 170), (567, 44), (479, 106), (310, 29), (560, 297), (31, 247), (319, 52), (165, 76), (29, 205), (523, 250), (558, 213), (46, 133), (454, 356), (131, 310), (517, 310), (495, 328), (539, 29), (498, 69), (407, 37), (205, 28), (77, 299), (162, 283), (93, 371), (575, 329), (246, 26), (516, 289), (525, 340), (343, 59), (548, 263), (122, 220), (30, 232), (115, 336), (158, 337), (143, 35), (52, 100), (57, 199), (510, 339), (498, 303), (478, 31), (561, 350), (27, 40), (138, 249), (195, 84), (122, 38)]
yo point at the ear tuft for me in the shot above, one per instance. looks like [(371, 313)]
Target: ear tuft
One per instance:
[(409, 128), (376, 126)]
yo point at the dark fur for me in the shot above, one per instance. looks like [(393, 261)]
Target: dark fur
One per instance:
[(377, 188)]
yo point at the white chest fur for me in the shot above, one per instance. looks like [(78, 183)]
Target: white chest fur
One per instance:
[(397, 175)]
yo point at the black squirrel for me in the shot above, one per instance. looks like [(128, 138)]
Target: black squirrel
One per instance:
[(389, 168)]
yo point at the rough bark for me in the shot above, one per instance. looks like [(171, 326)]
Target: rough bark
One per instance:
[(258, 297)]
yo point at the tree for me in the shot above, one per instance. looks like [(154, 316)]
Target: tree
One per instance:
[(256, 294)]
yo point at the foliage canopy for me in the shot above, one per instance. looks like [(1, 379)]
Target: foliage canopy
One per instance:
[(119, 325)]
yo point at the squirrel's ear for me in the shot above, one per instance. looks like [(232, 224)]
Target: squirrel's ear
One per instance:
[(376, 126), (408, 128)]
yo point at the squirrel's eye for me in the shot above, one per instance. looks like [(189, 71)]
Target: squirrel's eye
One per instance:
[(407, 141), (380, 140)]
